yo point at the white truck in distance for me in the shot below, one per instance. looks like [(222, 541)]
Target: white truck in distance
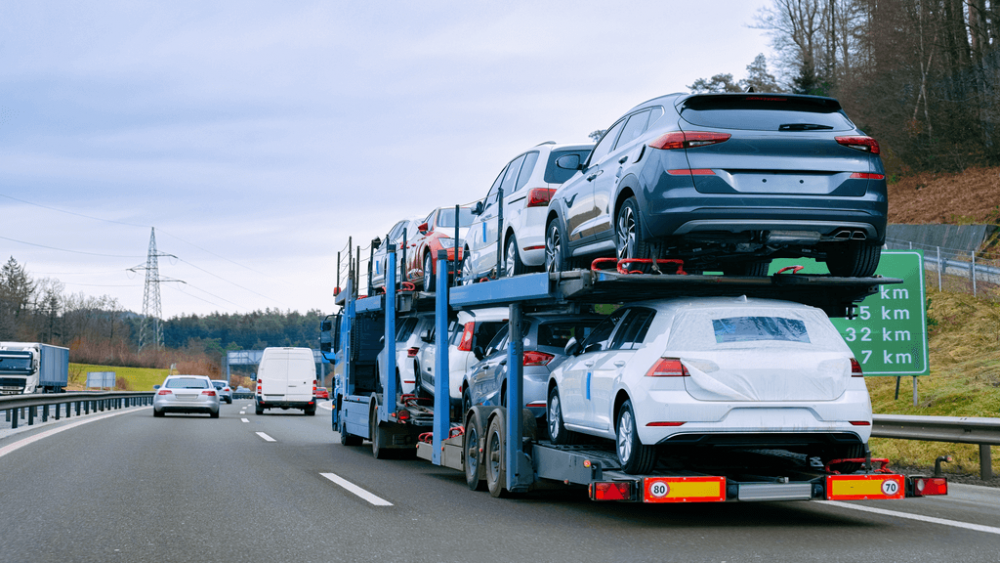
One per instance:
[(33, 367)]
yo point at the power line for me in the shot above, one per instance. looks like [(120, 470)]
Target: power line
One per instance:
[(72, 251), (199, 298), (232, 282)]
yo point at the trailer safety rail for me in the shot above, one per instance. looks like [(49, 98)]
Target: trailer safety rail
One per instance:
[(503, 448)]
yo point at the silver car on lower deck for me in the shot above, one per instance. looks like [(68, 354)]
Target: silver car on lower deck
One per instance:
[(187, 394)]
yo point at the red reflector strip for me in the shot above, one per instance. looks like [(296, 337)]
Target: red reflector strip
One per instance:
[(864, 487), (664, 423), (867, 176), (684, 489), (860, 423), (409, 381), (620, 490), (691, 172), (923, 486), (536, 247), (536, 405)]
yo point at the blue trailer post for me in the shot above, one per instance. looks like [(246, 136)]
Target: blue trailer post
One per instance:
[(442, 393), (388, 407), (515, 396)]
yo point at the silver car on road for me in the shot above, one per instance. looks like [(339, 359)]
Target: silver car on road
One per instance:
[(186, 393)]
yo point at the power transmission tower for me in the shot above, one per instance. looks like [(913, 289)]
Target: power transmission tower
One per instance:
[(150, 331)]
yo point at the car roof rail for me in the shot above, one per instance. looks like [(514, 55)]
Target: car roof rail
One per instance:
[(546, 143)]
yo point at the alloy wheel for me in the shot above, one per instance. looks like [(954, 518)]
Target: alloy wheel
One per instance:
[(625, 436), (626, 234)]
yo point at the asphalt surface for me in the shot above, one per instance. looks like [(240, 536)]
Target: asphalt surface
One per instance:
[(129, 487)]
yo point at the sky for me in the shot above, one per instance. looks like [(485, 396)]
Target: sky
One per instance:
[(256, 137)]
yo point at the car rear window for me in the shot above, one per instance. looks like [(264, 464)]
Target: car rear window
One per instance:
[(752, 329), (558, 333), (766, 113), (485, 331), (556, 175), (186, 383), (446, 218), (745, 328)]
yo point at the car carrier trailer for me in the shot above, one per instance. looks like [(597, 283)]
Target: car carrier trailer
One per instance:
[(503, 451)]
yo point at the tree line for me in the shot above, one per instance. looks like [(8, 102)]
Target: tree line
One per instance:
[(98, 330), (921, 76)]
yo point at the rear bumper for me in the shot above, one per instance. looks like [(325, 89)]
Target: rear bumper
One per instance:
[(266, 403)]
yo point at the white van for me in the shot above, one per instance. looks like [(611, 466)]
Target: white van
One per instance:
[(286, 378)]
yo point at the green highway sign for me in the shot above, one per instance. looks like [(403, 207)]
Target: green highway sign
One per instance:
[(889, 334)]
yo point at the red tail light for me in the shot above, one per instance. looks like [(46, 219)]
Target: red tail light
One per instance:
[(614, 490), (165, 392), (691, 172), (688, 140), (537, 359), (865, 144), (867, 176), (412, 352), (856, 369), (315, 385), (403, 416), (668, 367), (209, 393), (923, 486), (540, 197), (466, 344), (664, 423)]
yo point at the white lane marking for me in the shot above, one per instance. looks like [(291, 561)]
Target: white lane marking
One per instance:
[(327, 406), (266, 437), (244, 420), (351, 487), (21, 443), (921, 518)]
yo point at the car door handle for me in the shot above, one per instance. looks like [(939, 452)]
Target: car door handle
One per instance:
[(589, 364), (623, 159), (503, 362), (594, 175), (620, 363)]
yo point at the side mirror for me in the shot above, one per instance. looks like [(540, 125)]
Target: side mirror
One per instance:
[(376, 242), (422, 227), (569, 162), (478, 352), (572, 347), (478, 209), (426, 336), (156, 387)]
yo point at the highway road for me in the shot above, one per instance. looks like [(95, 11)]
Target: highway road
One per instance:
[(280, 487)]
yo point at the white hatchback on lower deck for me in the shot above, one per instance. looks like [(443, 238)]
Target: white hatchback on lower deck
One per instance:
[(713, 372)]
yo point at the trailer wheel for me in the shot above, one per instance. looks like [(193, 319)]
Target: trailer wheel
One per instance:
[(345, 438), (635, 457), (557, 431), (496, 464), (473, 469), (376, 435)]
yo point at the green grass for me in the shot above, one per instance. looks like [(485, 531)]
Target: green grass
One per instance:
[(136, 379), (964, 380)]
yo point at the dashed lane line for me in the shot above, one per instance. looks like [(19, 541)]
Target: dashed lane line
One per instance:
[(266, 437), (919, 517), (244, 420), (352, 488)]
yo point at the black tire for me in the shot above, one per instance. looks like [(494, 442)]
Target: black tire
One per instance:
[(753, 269), (495, 457), (854, 259), (158, 414), (428, 273), (466, 402), (473, 469), (636, 458), (214, 414), (310, 412), (468, 276), (345, 438), (420, 391), (258, 409), (630, 235), (512, 259), (375, 431), (553, 414), (556, 259), (849, 452)]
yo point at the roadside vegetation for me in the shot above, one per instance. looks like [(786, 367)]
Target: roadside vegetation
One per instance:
[(964, 380)]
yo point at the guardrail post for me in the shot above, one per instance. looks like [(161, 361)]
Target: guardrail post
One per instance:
[(985, 462), (78, 407), (8, 414), (31, 415), (13, 422), (86, 407), (45, 413)]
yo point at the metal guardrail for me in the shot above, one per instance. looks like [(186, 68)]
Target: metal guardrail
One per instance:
[(961, 430), (83, 403)]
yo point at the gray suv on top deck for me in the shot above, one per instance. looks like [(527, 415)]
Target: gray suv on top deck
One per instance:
[(725, 181)]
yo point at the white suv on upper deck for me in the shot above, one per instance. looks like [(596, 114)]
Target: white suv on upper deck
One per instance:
[(528, 183)]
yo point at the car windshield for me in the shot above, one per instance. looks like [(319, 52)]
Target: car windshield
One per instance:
[(766, 113), (186, 383), (729, 329), (558, 333), (446, 218), (556, 175)]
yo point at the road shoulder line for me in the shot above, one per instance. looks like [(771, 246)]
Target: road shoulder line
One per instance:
[(919, 517), (351, 487)]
